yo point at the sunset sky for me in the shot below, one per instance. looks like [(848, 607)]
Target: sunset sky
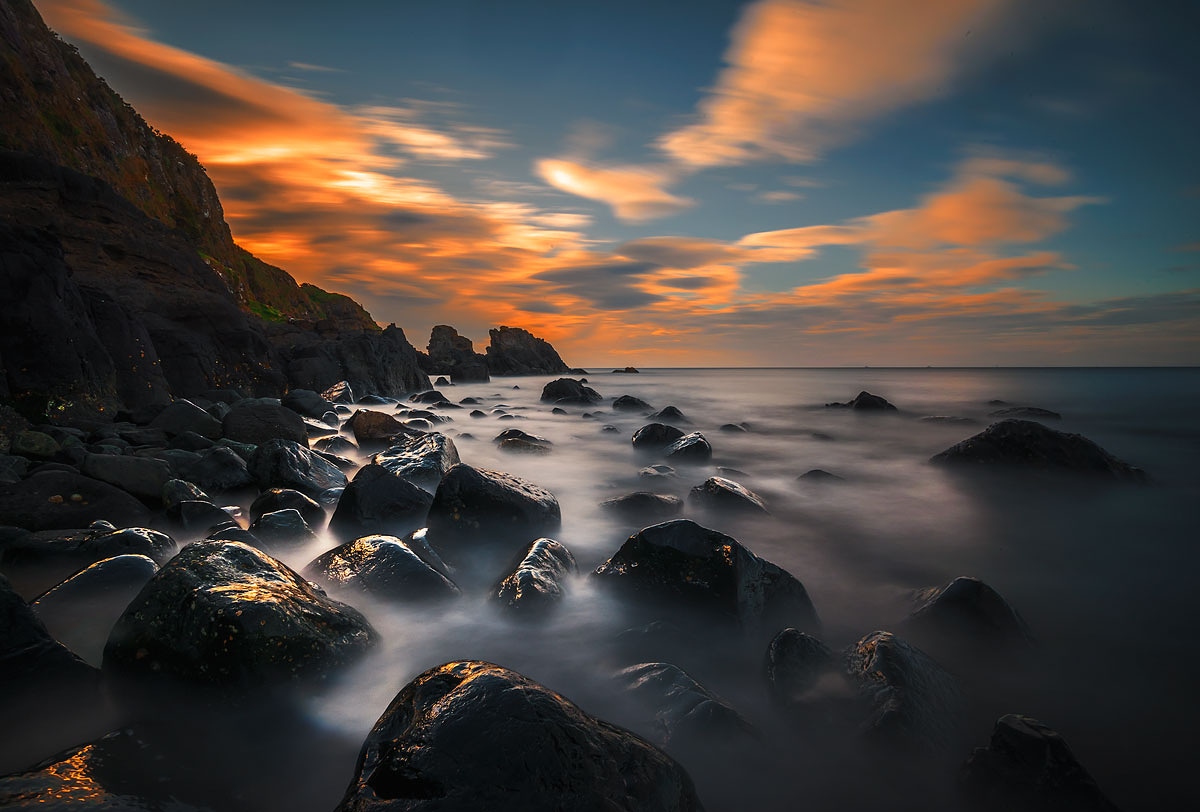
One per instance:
[(710, 183)]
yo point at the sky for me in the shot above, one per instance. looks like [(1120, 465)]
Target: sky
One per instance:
[(710, 183)]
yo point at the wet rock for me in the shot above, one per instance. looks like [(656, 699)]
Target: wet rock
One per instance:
[(141, 476), (377, 400), (691, 448), (820, 475), (681, 566), (968, 610), (724, 496), (184, 416), (12, 469), (29, 655), (258, 421), (378, 501), (866, 402), (340, 392), (569, 391), (1028, 766), (479, 505), (522, 446), (198, 515), (473, 735), (189, 441), (630, 403), (282, 528), (643, 506), (375, 427), (307, 403), (733, 428), (655, 435), (517, 434), (35, 445), (428, 396), (442, 381), (1029, 444), (795, 662), (657, 641), (670, 414), (657, 472), (686, 715), (386, 567), (285, 464), (218, 469), (422, 460), (335, 445), (274, 499), (535, 584), (80, 611), (909, 700), (36, 561), (45, 501), (226, 615), (1026, 411)]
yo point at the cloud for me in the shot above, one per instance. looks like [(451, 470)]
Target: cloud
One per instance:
[(802, 77), (635, 193), (778, 196)]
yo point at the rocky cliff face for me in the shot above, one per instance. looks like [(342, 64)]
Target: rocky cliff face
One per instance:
[(514, 351), (452, 353)]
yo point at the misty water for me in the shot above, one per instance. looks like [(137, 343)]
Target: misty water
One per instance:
[(1102, 572)]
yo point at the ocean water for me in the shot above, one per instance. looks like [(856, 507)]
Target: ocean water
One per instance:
[(1103, 573)]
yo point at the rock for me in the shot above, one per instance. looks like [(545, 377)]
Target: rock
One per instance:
[(670, 414), (684, 567), (141, 476), (442, 381), (949, 419), (378, 501), (225, 615), (190, 441), (479, 505), (36, 561), (795, 662), (274, 499), (12, 469), (865, 401), (375, 427), (1025, 411), (282, 528), (286, 464), (723, 496), (422, 460), (643, 506), (428, 396), (910, 701), (523, 446), (385, 567), (627, 371), (691, 448), (569, 391), (733, 428), (35, 444), (1028, 444), (969, 611), (517, 434), (183, 416), (258, 421), (657, 472), (199, 515), (45, 501), (657, 641), (218, 469), (473, 735), (1028, 766), (80, 611), (307, 403), (535, 585), (340, 392), (454, 353), (144, 436), (630, 403), (335, 445), (819, 475), (30, 658), (686, 715), (514, 351), (655, 435)]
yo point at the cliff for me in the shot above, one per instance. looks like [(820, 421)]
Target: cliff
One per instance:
[(514, 351)]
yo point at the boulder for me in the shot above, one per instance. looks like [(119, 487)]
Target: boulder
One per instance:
[(422, 460), (865, 402), (517, 434), (178, 490), (286, 464), (1029, 444), (335, 445), (514, 351), (655, 435), (218, 469), (340, 392), (274, 499), (307, 403), (143, 477), (35, 445), (795, 662), (199, 515), (378, 501), (258, 421), (46, 501), (30, 658), (569, 391), (479, 505), (685, 714), (282, 528), (670, 414), (369, 426), (626, 371), (819, 475), (183, 416), (523, 446), (682, 567), (12, 469), (643, 506), (428, 396), (1028, 766), (968, 611), (691, 448), (536, 582), (225, 615), (473, 735), (630, 403), (659, 471), (386, 567), (909, 701), (722, 496)]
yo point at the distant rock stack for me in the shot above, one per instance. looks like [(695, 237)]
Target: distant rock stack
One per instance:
[(514, 351), (455, 354)]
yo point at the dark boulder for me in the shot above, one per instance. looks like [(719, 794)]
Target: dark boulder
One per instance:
[(428, 396), (178, 490), (820, 475), (306, 403), (908, 700), (659, 471), (517, 434), (369, 426), (386, 567), (681, 566), (198, 515), (285, 464), (478, 505), (1026, 411), (569, 391), (723, 496), (37, 561), (1029, 444), (795, 662), (514, 351), (968, 611), (183, 416), (630, 403), (522, 446), (685, 714), (340, 392), (46, 501), (218, 469), (670, 414), (536, 583), (473, 735), (865, 402), (226, 615), (733, 428), (691, 448), (422, 460), (643, 506), (258, 421), (335, 445), (655, 435), (274, 499), (378, 501), (626, 371), (1028, 766), (144, 477), (282, 528)]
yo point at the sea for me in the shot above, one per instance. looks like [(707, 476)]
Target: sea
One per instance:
[(1104, 573)]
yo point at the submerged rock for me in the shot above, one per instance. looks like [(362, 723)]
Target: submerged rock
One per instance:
[(378, 501), (478, 505), (691, 448), (229, 616), (422, 460), (685, 713), (795, 662), (386, 567), (630, 403), (721, 495), (1029, 444), (536, 583), (820, 475), (968, 610), (655, 435), (683, 566), (865, 402), (569, 391), (670, 414), (473, 735), (643, 506)]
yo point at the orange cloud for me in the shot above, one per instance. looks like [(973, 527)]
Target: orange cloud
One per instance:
[(802, 76), (635, 193)]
